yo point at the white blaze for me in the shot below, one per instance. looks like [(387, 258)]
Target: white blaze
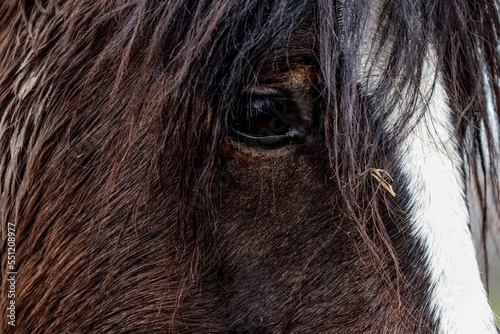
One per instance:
[(439, 217), (432, 164)]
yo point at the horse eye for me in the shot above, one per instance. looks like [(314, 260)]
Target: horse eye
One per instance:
[(266, 120)]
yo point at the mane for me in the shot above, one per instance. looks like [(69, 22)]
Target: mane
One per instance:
[(113, 113)]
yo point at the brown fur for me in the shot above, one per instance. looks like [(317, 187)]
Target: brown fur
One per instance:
[(137, 212)]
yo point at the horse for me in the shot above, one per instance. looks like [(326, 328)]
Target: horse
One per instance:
[(244, 166)]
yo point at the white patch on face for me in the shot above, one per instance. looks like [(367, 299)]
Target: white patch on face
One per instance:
[(432, 164), (430, 159)]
